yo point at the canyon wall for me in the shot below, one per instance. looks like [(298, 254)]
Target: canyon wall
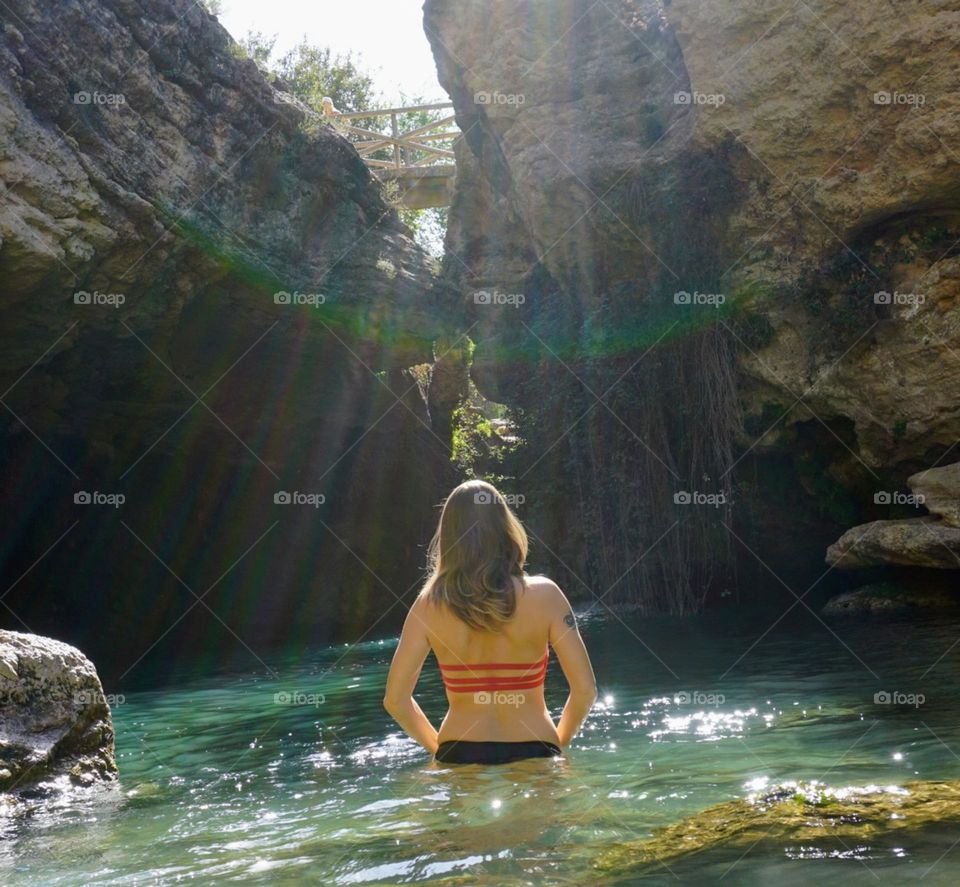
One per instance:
[(730, 232), (211, 439)]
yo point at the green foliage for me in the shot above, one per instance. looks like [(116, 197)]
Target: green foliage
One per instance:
[(483, 436), (259, 47), (314, 72)]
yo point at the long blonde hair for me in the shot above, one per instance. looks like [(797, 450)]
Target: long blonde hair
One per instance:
[(478, 548)]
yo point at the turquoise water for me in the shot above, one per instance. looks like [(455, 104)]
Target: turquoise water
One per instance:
[(223, 780)]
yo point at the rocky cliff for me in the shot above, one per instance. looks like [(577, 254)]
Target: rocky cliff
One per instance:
[(209, 312), (734, 227)]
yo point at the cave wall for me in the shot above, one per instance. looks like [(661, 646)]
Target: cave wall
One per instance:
[(796, 161), (204, 306)]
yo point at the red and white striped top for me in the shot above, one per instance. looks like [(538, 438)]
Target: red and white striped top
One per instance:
[(533, 674)]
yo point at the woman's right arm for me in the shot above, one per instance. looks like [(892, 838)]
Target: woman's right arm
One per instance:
[(575, 662)]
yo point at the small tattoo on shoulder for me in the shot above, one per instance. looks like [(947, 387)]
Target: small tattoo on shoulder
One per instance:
[(570, 620)]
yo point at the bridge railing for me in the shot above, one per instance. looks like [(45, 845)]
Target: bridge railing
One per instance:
[(410, 149)]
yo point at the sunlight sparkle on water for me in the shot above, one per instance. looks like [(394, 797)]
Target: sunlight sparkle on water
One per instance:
[(362, 804), (708, 725)]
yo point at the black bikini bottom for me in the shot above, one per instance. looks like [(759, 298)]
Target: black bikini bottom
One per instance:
[(458, 751)]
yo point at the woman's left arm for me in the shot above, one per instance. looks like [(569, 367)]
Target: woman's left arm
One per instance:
[(402, 679)]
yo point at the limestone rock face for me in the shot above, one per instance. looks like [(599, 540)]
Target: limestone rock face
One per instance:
[(208, 305), (797, 160), (54, 719), (833, 149), (843, 113), (557, 106)]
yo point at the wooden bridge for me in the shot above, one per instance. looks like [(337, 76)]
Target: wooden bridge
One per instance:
[(420, 160)]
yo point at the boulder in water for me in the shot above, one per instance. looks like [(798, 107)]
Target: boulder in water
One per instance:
[(55, 722), (891, 599)]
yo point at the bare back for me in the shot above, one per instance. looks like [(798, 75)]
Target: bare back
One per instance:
[(509, 716)]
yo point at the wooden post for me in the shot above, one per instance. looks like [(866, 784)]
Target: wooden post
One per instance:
[(396, 134)]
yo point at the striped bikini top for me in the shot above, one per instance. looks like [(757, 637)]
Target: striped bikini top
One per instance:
[(531, 674)]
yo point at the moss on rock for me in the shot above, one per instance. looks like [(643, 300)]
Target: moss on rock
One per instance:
[(807, 813)]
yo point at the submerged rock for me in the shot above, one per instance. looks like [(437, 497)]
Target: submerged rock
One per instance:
[(810, 814), (884, 598), (54, 719)]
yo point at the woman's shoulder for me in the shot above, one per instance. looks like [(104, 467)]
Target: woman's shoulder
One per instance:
[(425, 601), (538, 579), (542, 586)]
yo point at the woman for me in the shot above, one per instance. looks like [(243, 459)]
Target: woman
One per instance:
[(489, 625)]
